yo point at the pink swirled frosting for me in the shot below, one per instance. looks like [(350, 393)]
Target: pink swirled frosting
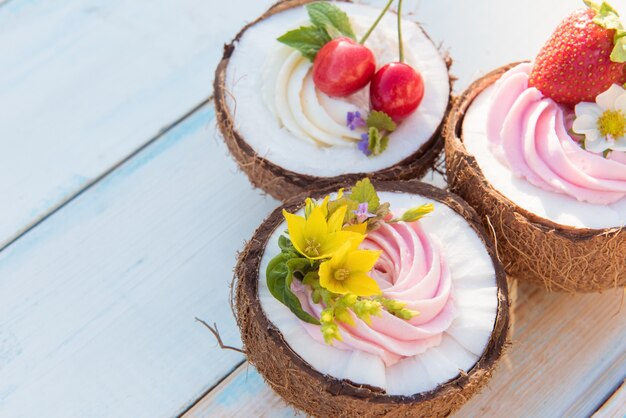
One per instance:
[(529, 133), (410, 269)]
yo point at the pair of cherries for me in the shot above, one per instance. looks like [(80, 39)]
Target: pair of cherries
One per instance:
[(343, 67)]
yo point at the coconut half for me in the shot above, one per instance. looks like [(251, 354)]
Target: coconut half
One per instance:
[(323, 380), (544, 237), (290, 138)]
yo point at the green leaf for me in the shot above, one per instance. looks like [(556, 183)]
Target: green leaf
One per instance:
[(329, 17), (364, 192), (352, 205), (619, 51), (608, 18), (417, 213), (377, 142), (381, 121), (592, 5), (286, 245), (279, 277), (306, 39)]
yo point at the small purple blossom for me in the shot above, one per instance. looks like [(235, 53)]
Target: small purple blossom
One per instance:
[(362, 213), (354, 120), (364, 144)]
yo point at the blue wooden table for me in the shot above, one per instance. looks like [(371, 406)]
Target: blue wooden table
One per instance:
[(121, 214)]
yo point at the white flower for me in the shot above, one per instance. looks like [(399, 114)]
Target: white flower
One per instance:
[(603, 123)]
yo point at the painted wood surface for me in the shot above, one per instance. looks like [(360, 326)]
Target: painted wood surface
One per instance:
[(97, 301), (615, 406), (97, 304), (85, 83), (568, 353)]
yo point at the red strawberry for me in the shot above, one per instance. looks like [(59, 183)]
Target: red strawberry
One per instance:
[(574, 65)]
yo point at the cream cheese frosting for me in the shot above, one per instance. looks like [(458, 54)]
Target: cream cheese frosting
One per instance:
[(457, 298), (530, 134), (287, 140), (410, 269), (560, 208), (309, 114)]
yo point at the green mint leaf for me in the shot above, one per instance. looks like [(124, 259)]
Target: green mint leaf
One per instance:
[(325, 15), (306, 39), (381, 121), (279, 277), (417, 213), (364, 192), (378, 143)]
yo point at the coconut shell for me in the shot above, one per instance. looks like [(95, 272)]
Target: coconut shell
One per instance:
[(282, 183), (532, 248), (321, 395)]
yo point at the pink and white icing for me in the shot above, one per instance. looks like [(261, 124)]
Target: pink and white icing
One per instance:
[(530, 134), (410, 269)]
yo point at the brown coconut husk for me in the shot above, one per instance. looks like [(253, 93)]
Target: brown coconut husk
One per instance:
[(558, 257), (282, 183), (321, 395)]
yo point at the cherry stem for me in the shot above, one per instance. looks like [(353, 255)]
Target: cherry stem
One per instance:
[(371, 29), (400, 46)]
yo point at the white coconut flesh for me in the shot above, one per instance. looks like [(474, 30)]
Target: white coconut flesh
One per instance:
[(556, 207), (286, 120), (475, 296)]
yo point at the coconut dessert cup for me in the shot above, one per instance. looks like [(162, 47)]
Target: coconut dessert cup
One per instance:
[(388, 364), (290, 137), (547, 185)]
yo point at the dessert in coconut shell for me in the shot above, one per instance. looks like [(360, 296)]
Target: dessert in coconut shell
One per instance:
[(539, 150), (400, 311), (299, 116)]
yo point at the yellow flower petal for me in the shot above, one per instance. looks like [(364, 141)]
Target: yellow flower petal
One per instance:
[(295, 226), (361, 260), (315, 229), (354, 239), (335, 222), (361, 284), (324, 206), (340, 253), (327, 279), (357, 228)]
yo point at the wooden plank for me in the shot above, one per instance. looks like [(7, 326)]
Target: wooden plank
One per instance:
[(615, 406), (97, 304), (84, 83), (242, 394), (567, 354)]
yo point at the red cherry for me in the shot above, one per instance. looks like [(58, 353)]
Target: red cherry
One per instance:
[(342, 67), (396, 89)]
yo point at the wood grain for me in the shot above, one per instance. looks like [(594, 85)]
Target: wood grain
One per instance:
[(85, 83), (568, 352), (97, 304), (615, 406)]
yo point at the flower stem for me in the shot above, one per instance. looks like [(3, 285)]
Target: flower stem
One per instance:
[(369, 31), (400, 45)]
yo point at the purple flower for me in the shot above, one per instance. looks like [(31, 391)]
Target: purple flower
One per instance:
[(354, 120), (364, 144), (362, 213)]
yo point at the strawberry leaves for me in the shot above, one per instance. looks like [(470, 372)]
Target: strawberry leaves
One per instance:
[(608, 18)]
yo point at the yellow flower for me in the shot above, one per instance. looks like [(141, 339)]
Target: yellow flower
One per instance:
[(346, 272), (317, 238)]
